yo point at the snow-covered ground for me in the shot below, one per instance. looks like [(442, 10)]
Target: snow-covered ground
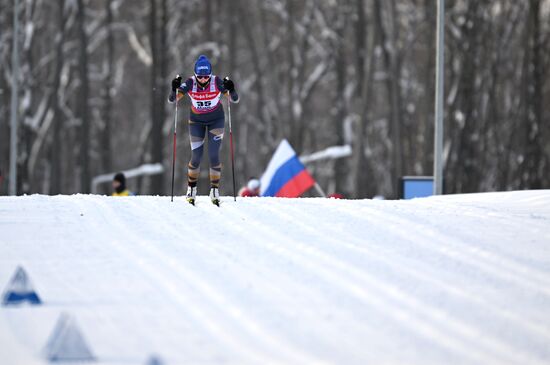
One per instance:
[(459, 279)]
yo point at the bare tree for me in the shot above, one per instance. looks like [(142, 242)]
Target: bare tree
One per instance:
[(158, 94), (83, 100), (356, 72), (532, 168), (364, 182), (108, 90), (388, 35), (56, 150)]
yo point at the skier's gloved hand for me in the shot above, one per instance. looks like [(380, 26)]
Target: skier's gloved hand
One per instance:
[(228, 84), (176, 83)]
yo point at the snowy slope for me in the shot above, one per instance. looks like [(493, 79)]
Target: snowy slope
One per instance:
[(444, 280)]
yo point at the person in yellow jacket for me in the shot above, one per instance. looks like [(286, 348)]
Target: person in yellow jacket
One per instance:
[(119, 186)]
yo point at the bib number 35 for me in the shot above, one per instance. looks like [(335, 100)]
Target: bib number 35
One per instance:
[(204, 104)]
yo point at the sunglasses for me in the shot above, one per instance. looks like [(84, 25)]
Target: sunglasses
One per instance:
[(202, 77)]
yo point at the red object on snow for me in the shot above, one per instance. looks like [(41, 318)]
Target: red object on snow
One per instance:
[(249, 193)]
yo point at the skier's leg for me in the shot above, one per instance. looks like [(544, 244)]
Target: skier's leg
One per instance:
[(215, 137), (197, 134)]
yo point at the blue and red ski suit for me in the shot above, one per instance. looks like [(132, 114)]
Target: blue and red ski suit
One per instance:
[(206, 117)]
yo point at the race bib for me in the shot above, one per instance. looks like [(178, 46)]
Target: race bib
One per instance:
[(206, 100)]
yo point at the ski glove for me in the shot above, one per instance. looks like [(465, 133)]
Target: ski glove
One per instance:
[(176, 83), (228, 84)]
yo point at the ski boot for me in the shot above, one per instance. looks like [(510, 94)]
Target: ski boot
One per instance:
[(191, 194), (215, 196)]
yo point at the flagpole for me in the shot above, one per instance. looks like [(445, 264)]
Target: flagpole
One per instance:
[(319, 190)]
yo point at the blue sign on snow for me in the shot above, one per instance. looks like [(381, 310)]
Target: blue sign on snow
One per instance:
[(20, 289)]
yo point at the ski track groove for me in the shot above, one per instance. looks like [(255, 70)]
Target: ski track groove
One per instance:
[(155, 279), (466, 333), (280, 276), (291, 222), (165, 280), (252, 329), (417, 238), (333, 257), (274, 248), (236, 219), (358, 290), (403, 264), (472, 257), (454, 248), (251, 238), (216, 249), (501, 258)]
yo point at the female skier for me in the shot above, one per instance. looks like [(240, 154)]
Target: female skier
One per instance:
[(206, 119)]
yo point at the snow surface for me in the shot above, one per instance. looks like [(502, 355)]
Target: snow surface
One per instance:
[(461, 279)]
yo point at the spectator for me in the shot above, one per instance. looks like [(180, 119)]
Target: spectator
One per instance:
[(252, 188), (119, 185)]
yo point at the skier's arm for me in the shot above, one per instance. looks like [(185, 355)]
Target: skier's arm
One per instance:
[(182, 88), (226, 85)]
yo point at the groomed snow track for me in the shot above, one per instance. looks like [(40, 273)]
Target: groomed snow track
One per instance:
[(459, 279)]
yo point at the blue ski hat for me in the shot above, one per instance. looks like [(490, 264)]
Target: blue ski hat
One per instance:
[(203, 66)]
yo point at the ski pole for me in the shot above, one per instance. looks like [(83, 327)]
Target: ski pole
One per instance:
[(231, 146), (174, 143)]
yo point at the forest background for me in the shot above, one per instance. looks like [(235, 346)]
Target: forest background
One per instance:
[(95, 75)]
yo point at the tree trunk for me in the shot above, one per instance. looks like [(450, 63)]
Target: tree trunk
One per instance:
[(106, 150), (158, 66), (392, 67), (291, 75), (208, 21), (364, 181), (340, 111), (467, 177), (4, 113), (427, 128), (84, 96), (56, 150), (532, 168)]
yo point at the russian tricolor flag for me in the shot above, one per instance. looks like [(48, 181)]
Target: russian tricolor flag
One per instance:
[(285, 175)]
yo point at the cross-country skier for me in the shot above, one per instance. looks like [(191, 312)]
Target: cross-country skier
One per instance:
[(206, 118)]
